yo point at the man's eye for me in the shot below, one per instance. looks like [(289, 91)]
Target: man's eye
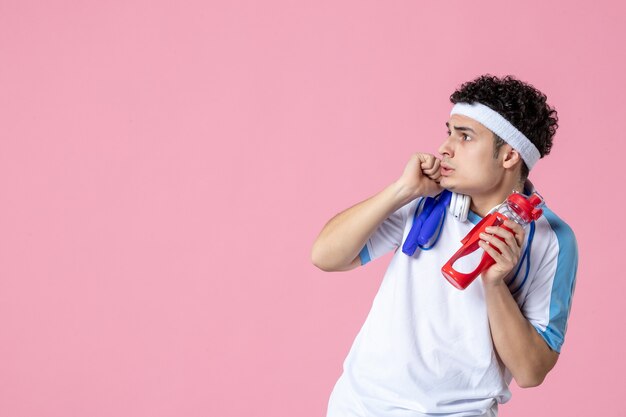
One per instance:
[(466, 137), (449, 132)]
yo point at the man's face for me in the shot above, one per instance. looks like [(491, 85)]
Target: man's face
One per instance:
[(467, 162)]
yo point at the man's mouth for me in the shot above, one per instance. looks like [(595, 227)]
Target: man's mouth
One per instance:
[(446, 169)]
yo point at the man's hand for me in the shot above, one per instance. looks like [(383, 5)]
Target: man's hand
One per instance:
[(520, 347), (421, 176), (510, 250)]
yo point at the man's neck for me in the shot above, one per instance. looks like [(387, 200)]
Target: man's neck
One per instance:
[(482, 204)]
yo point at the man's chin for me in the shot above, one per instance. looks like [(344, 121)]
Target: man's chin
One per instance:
[(452, 186), (447, 184)]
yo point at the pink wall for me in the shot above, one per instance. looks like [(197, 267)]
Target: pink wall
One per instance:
[(165, 168)]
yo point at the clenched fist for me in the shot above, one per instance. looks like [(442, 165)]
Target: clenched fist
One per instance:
[(421, 176)]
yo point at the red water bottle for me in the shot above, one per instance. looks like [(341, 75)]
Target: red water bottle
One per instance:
[(517, 207)]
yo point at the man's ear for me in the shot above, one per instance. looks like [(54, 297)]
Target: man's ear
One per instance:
[(510, 157)]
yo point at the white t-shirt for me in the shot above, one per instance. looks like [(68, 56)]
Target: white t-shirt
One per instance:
[(425, 348)]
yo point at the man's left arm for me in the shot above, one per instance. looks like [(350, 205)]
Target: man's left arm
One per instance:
[(520, 347)]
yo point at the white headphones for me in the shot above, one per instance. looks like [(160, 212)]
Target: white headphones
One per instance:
[(459, 206)]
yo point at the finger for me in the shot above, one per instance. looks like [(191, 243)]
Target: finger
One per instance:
[(509, 237), (427, 161), (501, 264), (436, 177), (491, 251), (514, 226), (434, 169), (501, 246), (517, 229)]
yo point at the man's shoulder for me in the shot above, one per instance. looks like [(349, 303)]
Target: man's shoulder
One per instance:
[(558, 228), (557, 247), (550, 222)]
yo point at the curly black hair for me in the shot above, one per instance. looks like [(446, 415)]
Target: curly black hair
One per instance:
[(518, 102)]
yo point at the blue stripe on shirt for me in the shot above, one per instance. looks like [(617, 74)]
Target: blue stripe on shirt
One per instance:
[(564, 281), (364, 255)]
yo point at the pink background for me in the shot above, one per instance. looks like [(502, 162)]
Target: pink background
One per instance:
[(166, 166)]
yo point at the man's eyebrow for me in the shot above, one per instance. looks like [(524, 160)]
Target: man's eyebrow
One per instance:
[(461, 128)]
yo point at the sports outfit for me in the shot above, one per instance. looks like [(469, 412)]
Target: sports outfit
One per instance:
[(425, 348)]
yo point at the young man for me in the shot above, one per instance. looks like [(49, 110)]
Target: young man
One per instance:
[(427, 348)]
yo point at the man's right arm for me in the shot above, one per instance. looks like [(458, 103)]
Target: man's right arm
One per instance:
[(340, 241), (338, 245)]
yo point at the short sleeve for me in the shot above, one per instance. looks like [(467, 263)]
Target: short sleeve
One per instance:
[(388, 236), (549, 300)]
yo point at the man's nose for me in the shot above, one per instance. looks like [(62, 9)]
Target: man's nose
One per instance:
[(447, 147)]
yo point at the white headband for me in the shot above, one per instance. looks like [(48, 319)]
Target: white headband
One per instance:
[(493, 121)]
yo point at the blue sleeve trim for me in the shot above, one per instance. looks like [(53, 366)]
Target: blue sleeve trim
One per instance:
[(564, 281), (473, 217), (364, 255)]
